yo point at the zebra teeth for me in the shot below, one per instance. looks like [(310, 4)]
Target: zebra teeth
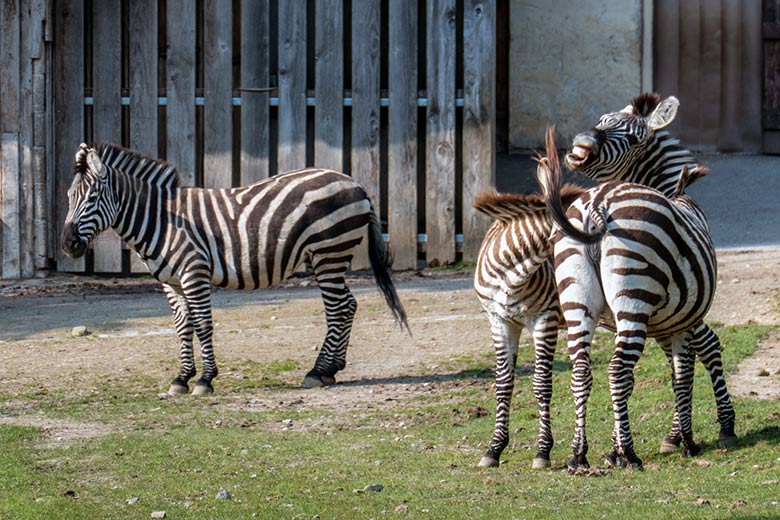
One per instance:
[(577, 156)]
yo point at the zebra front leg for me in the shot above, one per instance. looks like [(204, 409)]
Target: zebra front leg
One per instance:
[(340, 308), (629, 344), (184, 330), (197, 291), (706, 345), (545, 335), (505, 338)]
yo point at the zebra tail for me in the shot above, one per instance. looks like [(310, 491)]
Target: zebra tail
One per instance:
[(550, 177), (381, 259)]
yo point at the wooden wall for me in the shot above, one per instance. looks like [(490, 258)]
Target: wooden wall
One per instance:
[(708, 54), (398, 93)]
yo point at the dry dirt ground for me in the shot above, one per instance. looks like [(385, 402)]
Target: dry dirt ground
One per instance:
[(131, 334)]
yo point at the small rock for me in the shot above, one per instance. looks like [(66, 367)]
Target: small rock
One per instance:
[(702, 502), (273, 318), (224, 494), (163, 395), (756, 468), (403, 508), (305, 283), (374, 487), (132, 500), (739, 503), (702, 463), (78, 331), (158, 514), (287, 423)]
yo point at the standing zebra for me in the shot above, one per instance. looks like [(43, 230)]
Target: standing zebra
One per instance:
[(241, 238), (647, 246), (515, 283)]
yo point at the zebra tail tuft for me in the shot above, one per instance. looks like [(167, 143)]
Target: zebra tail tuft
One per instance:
[(550, 177), (381, 259)]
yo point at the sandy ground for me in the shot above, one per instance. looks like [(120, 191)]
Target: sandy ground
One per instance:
[(131, 333)]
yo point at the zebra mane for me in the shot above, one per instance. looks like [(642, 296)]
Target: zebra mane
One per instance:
[(155, 172), (507, 207), (644, 104)]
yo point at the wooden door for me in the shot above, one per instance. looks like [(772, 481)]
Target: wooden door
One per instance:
[(771, 96)]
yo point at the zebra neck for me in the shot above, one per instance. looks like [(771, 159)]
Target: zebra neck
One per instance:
[(143, 211), (662, 164)]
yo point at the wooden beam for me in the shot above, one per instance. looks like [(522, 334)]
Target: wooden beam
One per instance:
[(180, 88), (479, 117), (255, 115), (292, 85), (440, 138), (329, 85), (402, 134)]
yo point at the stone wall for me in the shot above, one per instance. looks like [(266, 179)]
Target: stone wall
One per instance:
[(572, 61)]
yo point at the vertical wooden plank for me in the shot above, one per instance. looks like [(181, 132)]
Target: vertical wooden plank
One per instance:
[(41, 60), (107, 108), (479, 118), (143, 86), (31, 34), (751, 76), (218, 88), (365, 165), (180, 88), (731, 71), (710, 74), (689, 71), (10, 106), (666, 43), (329, 86), (402, 133), (143, 76), (440, 140), (68, 97), (9, 177), (292, 85), (255, 45)]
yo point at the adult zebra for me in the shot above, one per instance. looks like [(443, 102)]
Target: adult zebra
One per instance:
[(241, 238), (648, 247)]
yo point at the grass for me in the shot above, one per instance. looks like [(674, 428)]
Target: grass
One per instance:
[(176, 455)]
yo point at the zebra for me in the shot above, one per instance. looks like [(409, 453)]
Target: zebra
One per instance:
[(241, 238), (515, 283), (647, 246)]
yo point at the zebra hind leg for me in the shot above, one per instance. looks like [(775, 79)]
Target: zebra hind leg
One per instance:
[(706, 344), (545, 335), (340, 308), (505, 338), (673, 439)]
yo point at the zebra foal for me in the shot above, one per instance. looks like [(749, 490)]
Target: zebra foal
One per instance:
[(515, 282), (242, 238), (647, 246)]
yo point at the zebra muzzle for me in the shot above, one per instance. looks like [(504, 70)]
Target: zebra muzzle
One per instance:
[(72, 244)]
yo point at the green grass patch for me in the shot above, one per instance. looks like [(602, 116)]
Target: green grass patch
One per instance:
[(176, 455)]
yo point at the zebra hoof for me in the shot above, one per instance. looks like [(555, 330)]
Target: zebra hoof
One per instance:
[(691, 450), (203, 389), (315, 380), (540, 463), (178, 389), (577, 464), (488, 462)]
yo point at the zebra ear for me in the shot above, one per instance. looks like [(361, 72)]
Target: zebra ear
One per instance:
[(664, 113), (95, 164)]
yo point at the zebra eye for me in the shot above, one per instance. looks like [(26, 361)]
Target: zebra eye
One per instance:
[(92, 196), (632, 139)]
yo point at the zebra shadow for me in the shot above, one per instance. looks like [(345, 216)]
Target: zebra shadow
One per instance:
[(465, 375)]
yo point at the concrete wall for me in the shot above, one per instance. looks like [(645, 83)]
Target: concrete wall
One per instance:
[(570, 62)]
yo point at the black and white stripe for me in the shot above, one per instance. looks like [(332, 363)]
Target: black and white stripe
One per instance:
[(648, 248), (241, 238)]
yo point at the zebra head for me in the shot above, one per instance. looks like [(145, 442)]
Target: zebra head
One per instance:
[(620, 139), (91, 205)]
